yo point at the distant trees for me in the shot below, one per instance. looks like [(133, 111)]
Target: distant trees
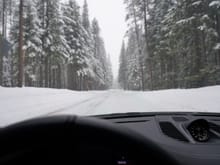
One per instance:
[(101, 63), (61, 47), (171, 44)]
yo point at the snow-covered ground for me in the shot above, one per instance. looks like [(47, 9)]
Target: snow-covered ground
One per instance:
[(19, 104)]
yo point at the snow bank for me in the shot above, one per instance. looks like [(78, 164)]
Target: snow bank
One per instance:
[(18, 104)]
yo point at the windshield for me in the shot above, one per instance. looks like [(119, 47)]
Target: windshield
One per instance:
[(93, 57)]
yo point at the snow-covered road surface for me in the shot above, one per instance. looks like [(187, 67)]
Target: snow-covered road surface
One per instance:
[(20, 104)]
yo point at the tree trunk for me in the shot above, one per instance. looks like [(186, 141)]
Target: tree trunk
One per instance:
[(218, 31), (50, 74), (46, 72), (59, 86), (41, 73), (20, 47), (1, 59), (1, 42)]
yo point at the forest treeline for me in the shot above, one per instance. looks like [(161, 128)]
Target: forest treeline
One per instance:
[(57, 44), (171, 44)]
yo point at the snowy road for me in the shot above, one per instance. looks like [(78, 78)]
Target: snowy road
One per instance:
[(19, 104)]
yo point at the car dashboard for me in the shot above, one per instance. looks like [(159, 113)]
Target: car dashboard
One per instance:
[(189, 137)]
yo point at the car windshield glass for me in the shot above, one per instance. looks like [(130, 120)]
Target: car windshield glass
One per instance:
[(95, 57)]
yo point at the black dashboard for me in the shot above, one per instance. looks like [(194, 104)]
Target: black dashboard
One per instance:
[(76, 140), (190, 137), (132, 139)]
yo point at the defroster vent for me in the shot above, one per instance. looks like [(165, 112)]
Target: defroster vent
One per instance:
[(171, 131)]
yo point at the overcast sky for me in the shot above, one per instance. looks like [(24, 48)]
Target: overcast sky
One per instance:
[(111, 17)]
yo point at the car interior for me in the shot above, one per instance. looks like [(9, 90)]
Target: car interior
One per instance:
[(119, 139), (109, 82)]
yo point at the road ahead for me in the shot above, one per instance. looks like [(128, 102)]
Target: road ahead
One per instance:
[(112, 101), (19, 104)]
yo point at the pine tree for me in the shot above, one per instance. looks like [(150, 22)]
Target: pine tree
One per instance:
[(6, 8), (101, 64), (61, 50), (74, 34), (133, 64), (122, 77), (109, 74), (85, 16), (179, 41), (32, 44), (20, 46)]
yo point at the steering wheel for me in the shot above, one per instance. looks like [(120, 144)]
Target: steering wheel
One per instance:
[(70, 139)]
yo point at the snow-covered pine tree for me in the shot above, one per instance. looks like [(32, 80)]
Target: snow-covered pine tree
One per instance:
[(74, 35), (85, 16), (89, 78), (6, 8), (59, 47), (133, 64), (122, 77), (97, 54), (13, 39), (109, 77), (32, 44), (181, 41)]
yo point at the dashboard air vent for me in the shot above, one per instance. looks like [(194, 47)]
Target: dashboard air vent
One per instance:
[(215, 127), (132, 121), (179, 119), (171, 131)]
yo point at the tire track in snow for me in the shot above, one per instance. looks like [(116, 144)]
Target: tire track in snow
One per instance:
[(72, 106), (97, 104)]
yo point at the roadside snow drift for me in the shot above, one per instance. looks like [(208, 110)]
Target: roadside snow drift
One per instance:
[(20, 104)]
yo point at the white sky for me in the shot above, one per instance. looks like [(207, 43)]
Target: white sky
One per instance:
[(111, 17)]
